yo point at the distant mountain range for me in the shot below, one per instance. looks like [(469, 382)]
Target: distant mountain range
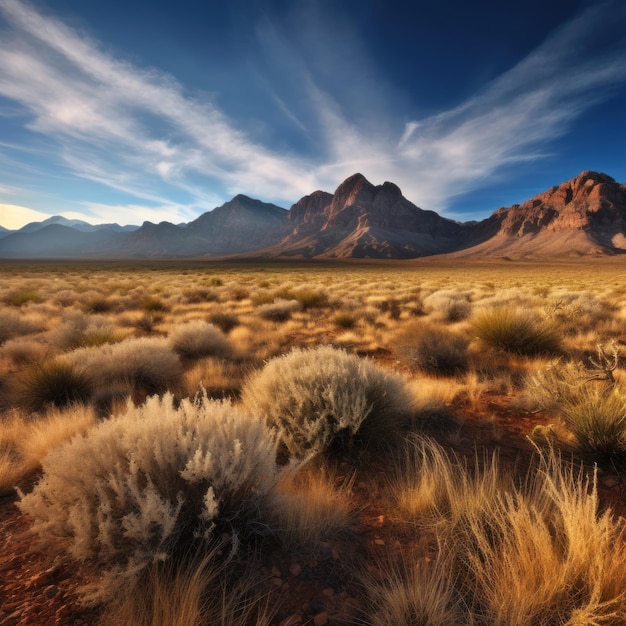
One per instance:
[(580, 217)]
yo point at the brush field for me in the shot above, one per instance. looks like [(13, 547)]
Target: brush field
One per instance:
[(189, 443)]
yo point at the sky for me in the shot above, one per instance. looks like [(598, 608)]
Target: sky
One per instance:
[(131, 110)]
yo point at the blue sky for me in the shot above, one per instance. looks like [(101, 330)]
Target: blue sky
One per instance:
[(130, 111)]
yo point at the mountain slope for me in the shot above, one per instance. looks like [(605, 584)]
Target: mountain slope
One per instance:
[(582, 216)]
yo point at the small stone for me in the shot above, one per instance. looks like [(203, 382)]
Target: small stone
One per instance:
[(295, 569), (610, 482), (321, 619), (316, 605), (276, 573), (328, 592), (379, 542), (277, 582), (381, 519)]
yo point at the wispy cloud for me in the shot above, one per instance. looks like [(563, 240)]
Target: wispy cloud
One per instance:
[(138, 131)]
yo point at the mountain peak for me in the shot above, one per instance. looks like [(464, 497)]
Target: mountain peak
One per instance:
[(596, 177)]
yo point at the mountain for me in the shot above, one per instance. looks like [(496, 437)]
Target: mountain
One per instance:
[(361, 220), (582, 216), (79, 225), (55, 241), (240, 225)]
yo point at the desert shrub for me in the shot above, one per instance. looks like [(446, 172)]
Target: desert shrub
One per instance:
[(153, 481), (55, 383), (578, 312), (97, 304), (431, 348), (279, 311), (197, 295), (145, 362), (516, 331), (310, 297), (153, 305), (593, 410), (23, 351), (344, 319), (23, 296), (448, 305), (78, 330), (324, 397), (197, 338), (148, 321), (549, 388), (596, 416), (224, 321), (12, 325)]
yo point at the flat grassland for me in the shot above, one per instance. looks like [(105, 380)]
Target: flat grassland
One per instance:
[(313, 443)]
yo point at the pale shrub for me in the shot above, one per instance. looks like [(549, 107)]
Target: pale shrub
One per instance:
[(12, 324), (279, 311), (317, 398), (80, 330), (24, 350), (151, 482), (448, 305), (146, 362), (198, 338)]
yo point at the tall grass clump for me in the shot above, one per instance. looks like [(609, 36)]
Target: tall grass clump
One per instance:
[(54, 383), (540, 552), (310, 506), (26, 439), (431, 348), (197, 338), (201, 591), (325, 397), (597, 419), (153, 482), (517, 332), (413, 592)]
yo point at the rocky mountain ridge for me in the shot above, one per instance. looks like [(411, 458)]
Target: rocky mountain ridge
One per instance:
[(583, 216)]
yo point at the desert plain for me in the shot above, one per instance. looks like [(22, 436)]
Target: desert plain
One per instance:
[(281, 443)]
